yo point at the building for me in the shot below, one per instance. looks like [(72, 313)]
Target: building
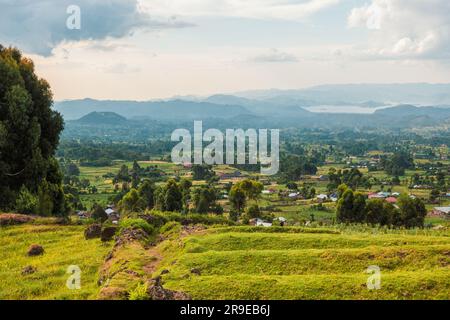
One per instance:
[(440, 212), (260, 223), (391, 200)]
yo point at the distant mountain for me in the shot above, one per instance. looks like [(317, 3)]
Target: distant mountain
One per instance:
[(258, 107), (102, 118), (369, 95), (156, 110), (413, 111)]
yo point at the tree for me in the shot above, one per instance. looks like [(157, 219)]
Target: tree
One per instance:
[(434, 195), (292, 185), (253, 211), (72, 169), (351, 207), (204, 199), (147, 192), (169, 197), (98, 214), (237, 198), (186, 192), (29, 135), (26, 202), (411, 213), (202, 172), (132, 202), (251, 188)]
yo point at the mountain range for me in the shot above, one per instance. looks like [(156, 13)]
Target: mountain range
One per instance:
[(277, 108)]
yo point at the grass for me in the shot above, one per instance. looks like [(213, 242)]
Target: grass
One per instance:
[(258, 263), (64, 246)]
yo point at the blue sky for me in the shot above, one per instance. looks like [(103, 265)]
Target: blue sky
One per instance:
[(148, 49)]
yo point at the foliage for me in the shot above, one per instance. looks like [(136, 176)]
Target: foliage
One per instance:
[(98, 213), (129, 223), (32, 129)]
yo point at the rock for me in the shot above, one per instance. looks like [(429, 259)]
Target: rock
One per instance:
[(28, 270), (35, 250), (108, 233), (196, 271), (157, 292), (165, 271), (130, 235), (93, 231)]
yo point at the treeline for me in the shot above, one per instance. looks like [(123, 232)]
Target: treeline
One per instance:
[(353, 207), (94, 153)]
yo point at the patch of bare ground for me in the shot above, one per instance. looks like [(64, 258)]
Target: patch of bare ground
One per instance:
[(132, 262)]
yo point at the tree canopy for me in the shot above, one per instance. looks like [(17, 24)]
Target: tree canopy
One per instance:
[(29, 136)]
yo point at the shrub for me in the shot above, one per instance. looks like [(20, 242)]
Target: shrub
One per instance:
[(137, 224), (139, 293), (26, 202), (170, 228)]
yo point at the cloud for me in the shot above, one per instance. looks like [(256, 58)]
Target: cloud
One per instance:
[(257, 9), (412, 29), (39, 26), (274, 55)]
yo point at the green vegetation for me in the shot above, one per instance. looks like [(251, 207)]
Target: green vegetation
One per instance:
[(301, 265), (29, 135), (64, 246)]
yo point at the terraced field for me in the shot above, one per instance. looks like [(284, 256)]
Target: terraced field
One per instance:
[(242, 263), (64, 246)]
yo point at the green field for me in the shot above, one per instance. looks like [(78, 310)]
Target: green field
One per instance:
[(64, 246), (263, 265)]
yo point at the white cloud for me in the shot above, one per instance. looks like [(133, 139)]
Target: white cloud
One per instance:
[(40, 26), (257, 9), (414, 29)]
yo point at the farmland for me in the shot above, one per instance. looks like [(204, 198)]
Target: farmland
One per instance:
[(64, 246), (235, 263), (258, 265)]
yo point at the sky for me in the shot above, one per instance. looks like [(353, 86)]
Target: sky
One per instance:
[(156, 49)]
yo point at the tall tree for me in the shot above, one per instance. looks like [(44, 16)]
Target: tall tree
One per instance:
[(29, 135)]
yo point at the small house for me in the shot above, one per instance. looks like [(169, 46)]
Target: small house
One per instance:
[(441, 212), (391, 200)]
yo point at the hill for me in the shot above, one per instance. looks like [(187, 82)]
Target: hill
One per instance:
[(361, 94), (156, 110), (102, 118)]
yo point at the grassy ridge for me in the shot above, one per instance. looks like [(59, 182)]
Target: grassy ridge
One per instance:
[(64, 246), (401, 285), (275, 265), (317, 261), (271, 241)]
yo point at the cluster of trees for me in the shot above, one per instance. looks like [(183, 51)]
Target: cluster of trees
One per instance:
[(396, 164), (30, 177), (351, 177), (292, 167), (172, 196), (353, 207), (202, 172), (243, 191), (307, 191)]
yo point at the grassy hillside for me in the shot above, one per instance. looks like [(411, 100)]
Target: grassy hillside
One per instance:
[(262, 265), (64, 246)]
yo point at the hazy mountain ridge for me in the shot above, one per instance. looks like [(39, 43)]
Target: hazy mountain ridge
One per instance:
[(161, 110)]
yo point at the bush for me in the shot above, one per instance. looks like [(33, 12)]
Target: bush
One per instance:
[(158, 219), (26, 202), (139, 293), (137, 224), (170, 228)]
